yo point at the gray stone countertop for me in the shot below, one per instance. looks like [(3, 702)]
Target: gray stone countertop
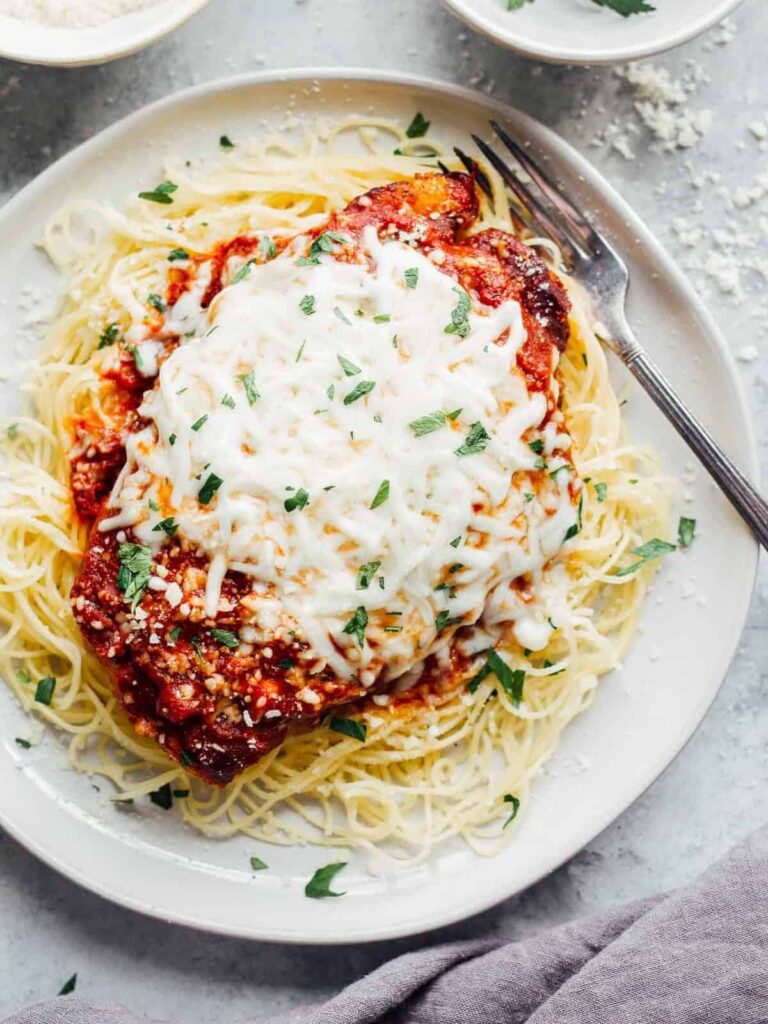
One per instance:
[(708, 203)]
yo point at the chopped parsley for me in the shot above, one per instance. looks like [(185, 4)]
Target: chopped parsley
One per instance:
[(418, 127), (153, 506), (341, 315), (138, 361), (267, 248), (356, 625), (330, 392), (160, 193), (686, 530), (248, 380), (382, 318), (169, 526), (69, 986), (319, 885), (225, 637), (174, 634), (349, 369), (244, 271), (109, 335), (443, 620), (257, 864), (476, 440), (209, 488), (326, 242), (411, 276), (349, 727), (44, 690), (359, 391), (23, 677), (460, 315), (229, 401), (427, 424), (297, 500), (172, 440), (24, 744), (301, 351), (509, 799), (134, 572), (654, 548), (156, 302), (454, 415), (177, 254), (285, 663), (162, 797), (381, 495), (601, 490), (626, 7), (199, 423), (456, 541), (307, 305), (12, 431), (537, 446), (512, 680), (575, 528), (365, 574), (225, 142)]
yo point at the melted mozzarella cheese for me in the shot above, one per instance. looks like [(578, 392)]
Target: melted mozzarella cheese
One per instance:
[(302, 396)]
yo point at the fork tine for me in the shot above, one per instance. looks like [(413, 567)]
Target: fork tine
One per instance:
[(542, 220), (576, 219), (474, 168)]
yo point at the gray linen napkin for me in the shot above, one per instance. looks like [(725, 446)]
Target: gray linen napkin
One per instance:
[(697, 956)]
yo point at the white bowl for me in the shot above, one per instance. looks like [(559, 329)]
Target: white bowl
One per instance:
[(580, 32), (34, 43)]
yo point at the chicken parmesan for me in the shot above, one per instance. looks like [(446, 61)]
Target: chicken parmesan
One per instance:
[(332, 525), (339, 454)]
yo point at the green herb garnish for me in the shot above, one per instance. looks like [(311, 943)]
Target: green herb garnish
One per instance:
[(427, 424), (248, 380), (257, 864), (686, 530), (199, 423), (169, 526), (209, 488), (348, 727), (109, 335), (160, 193), (356, 625), (177, 254), (225, 637), (319, 885), (509, 799), (418, 127), (476, 440), (162, 797), (135, 570), (359, 391), (460, 315), (381, 495), (654, 548), (298, 500), (365, 574), (349, 369), (411, 276), (225, 142)]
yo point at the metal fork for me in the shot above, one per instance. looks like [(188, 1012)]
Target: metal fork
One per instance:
[(595, 264)]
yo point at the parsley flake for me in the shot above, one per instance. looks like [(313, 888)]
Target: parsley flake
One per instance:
[(169, 526), (411, 276), (427, 424), (418, 127), (209, 488), (135, 570), (44, 690), (298, 500), (267, 248), (509, 799), (160, 193), (248, 380), (601, 490), (476, 440), (460, 315), (356, 625), (199, 423), (686, 530), (654, 548), (381, 495), (225, 637), (225, 142), (349, 369), (109, 335), (365, 574), (349, 727), (307, 305), (177, 254), (257, 864), (359, 391), (319, 885)]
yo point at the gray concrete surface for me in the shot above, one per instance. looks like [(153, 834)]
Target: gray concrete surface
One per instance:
[(714, 793)]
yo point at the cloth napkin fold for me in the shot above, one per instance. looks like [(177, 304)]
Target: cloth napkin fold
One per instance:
[(696, 956)]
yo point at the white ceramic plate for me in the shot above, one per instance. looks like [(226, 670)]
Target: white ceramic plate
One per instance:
[(41, 44), (642, 716), (580, 32)]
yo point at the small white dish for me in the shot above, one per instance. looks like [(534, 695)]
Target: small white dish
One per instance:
[(581, 32), (35, 43), (642, 716)]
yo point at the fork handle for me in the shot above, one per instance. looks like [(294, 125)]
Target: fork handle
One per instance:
[(744, 497)]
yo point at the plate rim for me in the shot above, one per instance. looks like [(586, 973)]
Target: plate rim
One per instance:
[(524, 45), (591, 175)]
